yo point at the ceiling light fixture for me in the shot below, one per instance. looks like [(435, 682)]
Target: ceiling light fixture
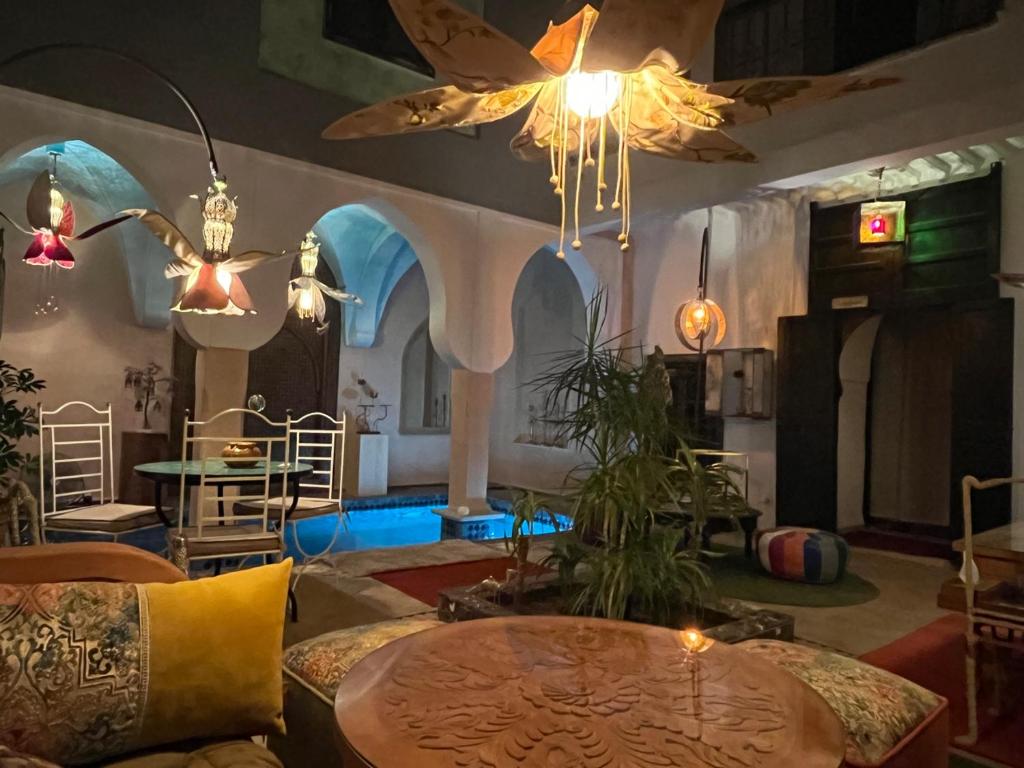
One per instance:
[(598, 76), (882, 222), (212, 285), (306, 293), (700, 322), (51, 222)]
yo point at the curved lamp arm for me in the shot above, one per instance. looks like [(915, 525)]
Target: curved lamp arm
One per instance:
[(39, 49)]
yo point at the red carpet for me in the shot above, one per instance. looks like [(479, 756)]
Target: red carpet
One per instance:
[(425, 582), (934, 657)]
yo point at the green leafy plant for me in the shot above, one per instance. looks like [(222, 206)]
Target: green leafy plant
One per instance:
[(17, 421), (640, 500)]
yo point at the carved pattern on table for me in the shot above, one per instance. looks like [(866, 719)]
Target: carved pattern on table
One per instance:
[(583, 697)]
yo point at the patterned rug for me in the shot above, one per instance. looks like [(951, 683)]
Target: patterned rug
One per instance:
[(934, 657)]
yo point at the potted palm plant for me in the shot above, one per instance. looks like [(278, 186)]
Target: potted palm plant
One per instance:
[(640, 499), (17, 422)]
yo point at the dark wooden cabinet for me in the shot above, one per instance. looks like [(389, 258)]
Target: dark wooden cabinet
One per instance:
[(806, 419)]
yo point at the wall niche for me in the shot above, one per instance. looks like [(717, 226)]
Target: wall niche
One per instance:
[(426, 387)]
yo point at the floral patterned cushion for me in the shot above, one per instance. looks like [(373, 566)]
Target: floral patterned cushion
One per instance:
[(90, 671), (72, 685), (320, 663), (877, 707)]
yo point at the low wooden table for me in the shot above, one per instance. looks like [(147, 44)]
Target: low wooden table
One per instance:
[(544, 691)]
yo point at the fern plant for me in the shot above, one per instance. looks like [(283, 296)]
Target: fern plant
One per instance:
[(640, 500)]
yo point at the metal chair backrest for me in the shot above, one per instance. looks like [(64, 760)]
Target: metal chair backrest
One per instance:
[(200, 436), (77, 446), (321, 447)]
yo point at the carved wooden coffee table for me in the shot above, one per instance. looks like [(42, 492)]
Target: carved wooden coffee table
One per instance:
[(571, 692)]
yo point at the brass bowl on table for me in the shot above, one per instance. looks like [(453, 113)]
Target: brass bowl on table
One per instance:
[(243, 454)]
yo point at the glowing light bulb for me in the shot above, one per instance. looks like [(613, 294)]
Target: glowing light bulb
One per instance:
[(695, 641), (592, 94), (879, 226), (223, 278), (306, 302)]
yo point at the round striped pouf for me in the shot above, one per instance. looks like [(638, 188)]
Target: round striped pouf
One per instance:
[(803, 554)]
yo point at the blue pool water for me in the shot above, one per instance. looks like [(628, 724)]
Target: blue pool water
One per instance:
[(395, 526)]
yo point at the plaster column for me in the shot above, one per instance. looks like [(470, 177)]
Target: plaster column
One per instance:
[(222, 377), (472, 398)]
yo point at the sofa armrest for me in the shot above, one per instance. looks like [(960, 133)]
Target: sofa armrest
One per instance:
[(84, 561)]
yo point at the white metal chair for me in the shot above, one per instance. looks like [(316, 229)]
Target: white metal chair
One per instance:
[(321, 444), (217, 535), (76, 475), (322, 447)]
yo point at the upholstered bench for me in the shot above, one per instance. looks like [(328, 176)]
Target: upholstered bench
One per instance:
[(313, 670), (803, 554), (889, 721)]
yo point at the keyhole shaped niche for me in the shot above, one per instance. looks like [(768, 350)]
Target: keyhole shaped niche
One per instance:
[(426, 387)]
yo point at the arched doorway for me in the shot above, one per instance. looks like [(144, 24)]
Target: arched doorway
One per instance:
[(548, 318)]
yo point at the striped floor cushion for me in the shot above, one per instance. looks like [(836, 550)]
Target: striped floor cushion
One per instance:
[(803, 554)]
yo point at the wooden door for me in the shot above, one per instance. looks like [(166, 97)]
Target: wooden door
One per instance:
[(806, 425), (298, 368), (982, 413)]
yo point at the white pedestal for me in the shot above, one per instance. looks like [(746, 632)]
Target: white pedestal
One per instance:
[(366, 468)]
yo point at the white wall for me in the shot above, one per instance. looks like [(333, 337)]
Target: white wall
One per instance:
[(412, 459), (757, 273)]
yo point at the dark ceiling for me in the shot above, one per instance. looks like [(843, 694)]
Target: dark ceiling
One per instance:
[(210, 50)]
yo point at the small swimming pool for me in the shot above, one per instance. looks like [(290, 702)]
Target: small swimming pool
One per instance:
[(389, 523)]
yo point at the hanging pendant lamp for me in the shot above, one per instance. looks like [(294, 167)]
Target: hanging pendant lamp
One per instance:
[(212, 285), (700, 322), (604, 80), (306, 293)]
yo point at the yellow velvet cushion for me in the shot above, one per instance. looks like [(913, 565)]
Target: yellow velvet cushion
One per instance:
[(97, 670)]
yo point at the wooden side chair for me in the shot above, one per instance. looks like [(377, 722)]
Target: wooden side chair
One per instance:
[(994, 620), (215, 531), (76, 475)]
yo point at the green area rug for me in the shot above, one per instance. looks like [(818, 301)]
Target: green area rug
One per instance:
[(735, 576)]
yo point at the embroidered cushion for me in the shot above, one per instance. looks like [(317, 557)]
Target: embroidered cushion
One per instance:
[(321, 662), (803, 554), (92, 670), (877, 707)]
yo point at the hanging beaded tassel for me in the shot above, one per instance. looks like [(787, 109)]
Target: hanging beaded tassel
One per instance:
[(565, 122)]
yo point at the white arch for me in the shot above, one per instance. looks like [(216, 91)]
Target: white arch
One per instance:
[(855, 375)]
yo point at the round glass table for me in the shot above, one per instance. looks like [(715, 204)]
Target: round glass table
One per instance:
[(220, 474)]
